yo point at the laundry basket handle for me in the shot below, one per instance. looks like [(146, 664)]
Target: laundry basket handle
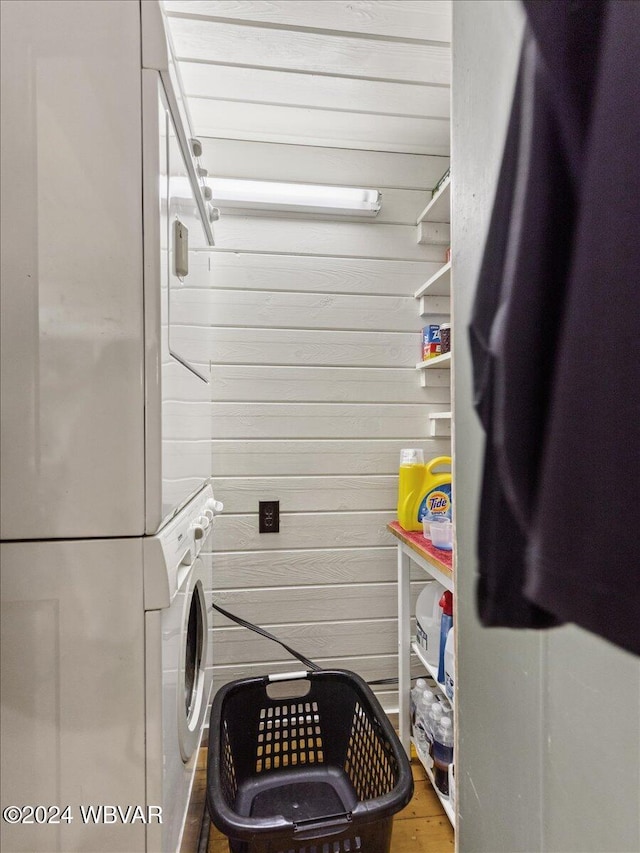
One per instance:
[(288, 676), (288, 685), (307, 830)]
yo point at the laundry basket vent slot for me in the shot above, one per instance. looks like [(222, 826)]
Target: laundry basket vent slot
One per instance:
[(228, 773), (289, 736), (370, 764)]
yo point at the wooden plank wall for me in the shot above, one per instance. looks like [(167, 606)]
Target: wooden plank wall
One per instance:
[(309, 325)]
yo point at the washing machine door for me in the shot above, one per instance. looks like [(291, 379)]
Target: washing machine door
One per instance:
[(193, 692)]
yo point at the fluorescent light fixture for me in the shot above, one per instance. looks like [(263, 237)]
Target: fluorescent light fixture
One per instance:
[(229, 193)]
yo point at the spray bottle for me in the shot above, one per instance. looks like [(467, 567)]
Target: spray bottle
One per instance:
[(446, 622)]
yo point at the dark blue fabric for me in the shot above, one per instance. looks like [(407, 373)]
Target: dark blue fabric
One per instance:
[(501, 541), (555, 333)]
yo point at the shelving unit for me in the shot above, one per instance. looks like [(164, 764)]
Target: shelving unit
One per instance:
[(434, 300), (413, 548)]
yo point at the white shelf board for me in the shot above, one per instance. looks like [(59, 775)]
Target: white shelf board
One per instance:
[(446, 803), (438, 285), (440, 361), (432, 670), (440, 416), (439, 208)]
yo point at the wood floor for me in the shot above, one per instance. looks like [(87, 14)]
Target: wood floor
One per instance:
[(420, 828)]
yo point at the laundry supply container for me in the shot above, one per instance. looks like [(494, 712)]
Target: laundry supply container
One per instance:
[(317, 770)]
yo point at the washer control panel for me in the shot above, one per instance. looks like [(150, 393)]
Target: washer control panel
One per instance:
[(185, 535)]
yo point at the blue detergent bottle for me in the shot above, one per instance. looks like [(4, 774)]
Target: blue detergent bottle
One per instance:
[(446, 623)]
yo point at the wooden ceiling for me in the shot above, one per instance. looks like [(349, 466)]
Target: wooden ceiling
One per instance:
[(361, 74)]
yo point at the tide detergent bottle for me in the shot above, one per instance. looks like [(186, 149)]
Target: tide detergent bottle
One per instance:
[(423, 492)]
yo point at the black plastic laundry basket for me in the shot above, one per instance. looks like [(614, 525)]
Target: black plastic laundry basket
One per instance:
[(322, 772)]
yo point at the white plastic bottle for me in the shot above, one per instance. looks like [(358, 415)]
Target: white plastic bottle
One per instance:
[(443, 755), (416, 693), (421, 730), (449, 665), (428, 613), (435, 715)]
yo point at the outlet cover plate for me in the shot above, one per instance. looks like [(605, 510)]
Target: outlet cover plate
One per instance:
[(268, 516)]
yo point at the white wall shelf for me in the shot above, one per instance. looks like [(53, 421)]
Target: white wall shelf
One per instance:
[(438, 209), (438, 285), (433, 672), (441, 362), (439, 424)]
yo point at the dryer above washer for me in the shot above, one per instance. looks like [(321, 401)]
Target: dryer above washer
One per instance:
[(85, 381)]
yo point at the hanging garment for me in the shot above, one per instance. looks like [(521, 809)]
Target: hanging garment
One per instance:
[(555, 333)]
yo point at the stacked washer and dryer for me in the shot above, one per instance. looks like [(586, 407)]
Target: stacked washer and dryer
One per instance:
[(105, 647)]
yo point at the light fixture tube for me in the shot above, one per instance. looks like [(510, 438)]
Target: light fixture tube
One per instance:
[(230, 193)]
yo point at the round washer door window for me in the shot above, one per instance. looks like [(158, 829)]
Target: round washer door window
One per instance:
[(191, 699)]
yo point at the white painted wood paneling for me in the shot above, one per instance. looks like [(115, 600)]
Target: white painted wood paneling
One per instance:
[(304, 126), (296, 420), (327, 456), (295, 347), (258, 383), (301, 567), (285, 88), (427, 20), (388, 702), (231, 44), (309, 494), (306, 530), (186, 459), (227, 158), (300, 273), (370, 667), (174, 388), (320, 640), (343, 239), (329, 603), (284, 310)]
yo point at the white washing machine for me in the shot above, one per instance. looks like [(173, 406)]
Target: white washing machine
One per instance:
[(105, 680), (183, 633)]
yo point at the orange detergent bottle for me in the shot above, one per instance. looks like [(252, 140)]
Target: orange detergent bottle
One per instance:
[(423, 491)]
